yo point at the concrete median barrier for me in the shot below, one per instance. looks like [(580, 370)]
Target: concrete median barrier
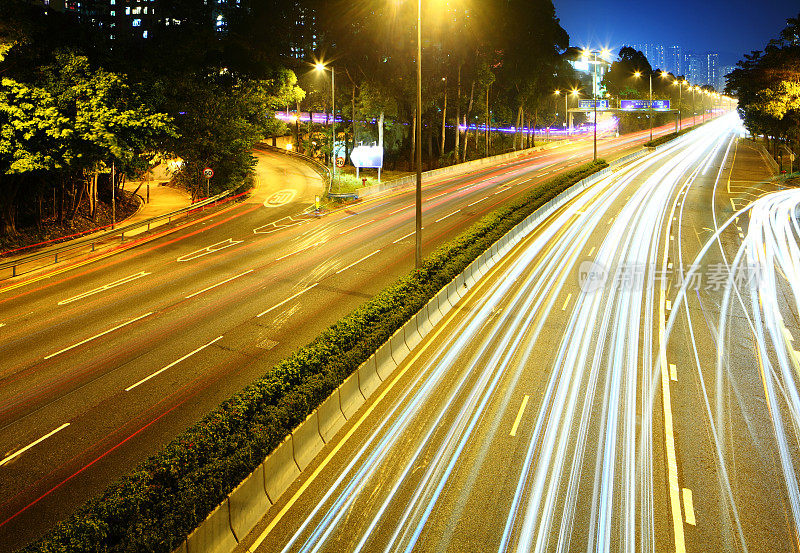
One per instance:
[(384, 362), (444, 305), (280, 470), (411, 334), (423, 322), (368, 379), (399, 348), (307, 441), (214, 533), (452, 293), (350, 396), (461, 284), (434, 314), (247, 503), (331, 417)]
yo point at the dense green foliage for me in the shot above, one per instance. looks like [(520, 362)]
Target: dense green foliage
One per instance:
[(190, 94), (167, 496), (767, 84)]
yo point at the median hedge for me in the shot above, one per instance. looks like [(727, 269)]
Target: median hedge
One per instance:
[(168, 495)]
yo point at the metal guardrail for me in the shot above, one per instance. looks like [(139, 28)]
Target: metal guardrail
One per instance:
[(96, 238)]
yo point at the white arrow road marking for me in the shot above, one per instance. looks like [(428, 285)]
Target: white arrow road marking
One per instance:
[(27, 447), (280, 224), (210, 249), (98, 335), (114, 284), (159, 371)]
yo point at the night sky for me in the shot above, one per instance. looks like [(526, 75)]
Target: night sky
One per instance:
[(730, 27)]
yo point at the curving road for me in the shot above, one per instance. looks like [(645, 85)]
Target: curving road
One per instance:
[(556, 412), (107, 358)]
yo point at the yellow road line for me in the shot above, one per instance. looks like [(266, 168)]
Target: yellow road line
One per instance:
[(429, 340), (519, 416), (566, 302), (673, 372), (688, 506), (669, 431)]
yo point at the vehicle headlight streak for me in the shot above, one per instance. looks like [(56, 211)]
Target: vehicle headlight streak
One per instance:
[(602, 379)]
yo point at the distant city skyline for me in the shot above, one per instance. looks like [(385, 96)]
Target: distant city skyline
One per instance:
[(731, 28)]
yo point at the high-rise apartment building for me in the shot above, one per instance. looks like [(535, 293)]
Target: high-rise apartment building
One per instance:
[(655, 54), (695, 66), (674, 62), (142, 18), (712, 69)]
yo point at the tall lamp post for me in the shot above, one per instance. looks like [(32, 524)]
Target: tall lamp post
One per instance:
[(603, 53), (694, 109), (418, 142), (638, 74), (322, 67)]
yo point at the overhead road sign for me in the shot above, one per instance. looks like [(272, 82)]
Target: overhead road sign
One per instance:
[(633, 105), (589, 104)]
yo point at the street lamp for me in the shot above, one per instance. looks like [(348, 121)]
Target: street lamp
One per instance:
[(418, 142), (322, 67), (593, 53), (650, 106)]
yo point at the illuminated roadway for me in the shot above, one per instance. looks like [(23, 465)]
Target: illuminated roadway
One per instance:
[(628, 413), (104, 360)]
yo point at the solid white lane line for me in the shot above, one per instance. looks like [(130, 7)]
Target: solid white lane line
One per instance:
[(218, 284), (479, 201), (673, 372), (159, 371), (446, 216), (27, 447), (290, 298), (357, 227), (519, 416), (105, 287), (343, 269), (566, 301), (688, 506), (404, 237), (99, 335)]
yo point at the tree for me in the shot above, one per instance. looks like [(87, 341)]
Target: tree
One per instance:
[(767, 84), (31, 131)]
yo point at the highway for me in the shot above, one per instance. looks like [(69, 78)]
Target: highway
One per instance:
[(598, 390), (106, 359)]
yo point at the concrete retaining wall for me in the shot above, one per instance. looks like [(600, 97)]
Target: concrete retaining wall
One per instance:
[(239, 513), (405, 182)]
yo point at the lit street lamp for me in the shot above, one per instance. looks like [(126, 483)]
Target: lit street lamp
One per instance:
[(322, 67), (603, 53)]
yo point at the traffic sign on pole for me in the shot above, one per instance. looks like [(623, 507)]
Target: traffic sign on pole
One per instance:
[(208, 172)]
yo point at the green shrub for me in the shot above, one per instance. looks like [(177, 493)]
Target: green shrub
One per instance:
[(169, 494)]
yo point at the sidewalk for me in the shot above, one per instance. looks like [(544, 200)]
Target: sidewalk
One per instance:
[(163, 199)]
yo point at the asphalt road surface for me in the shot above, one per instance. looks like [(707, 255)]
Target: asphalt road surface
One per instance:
[(592, 393), (107, 358)]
